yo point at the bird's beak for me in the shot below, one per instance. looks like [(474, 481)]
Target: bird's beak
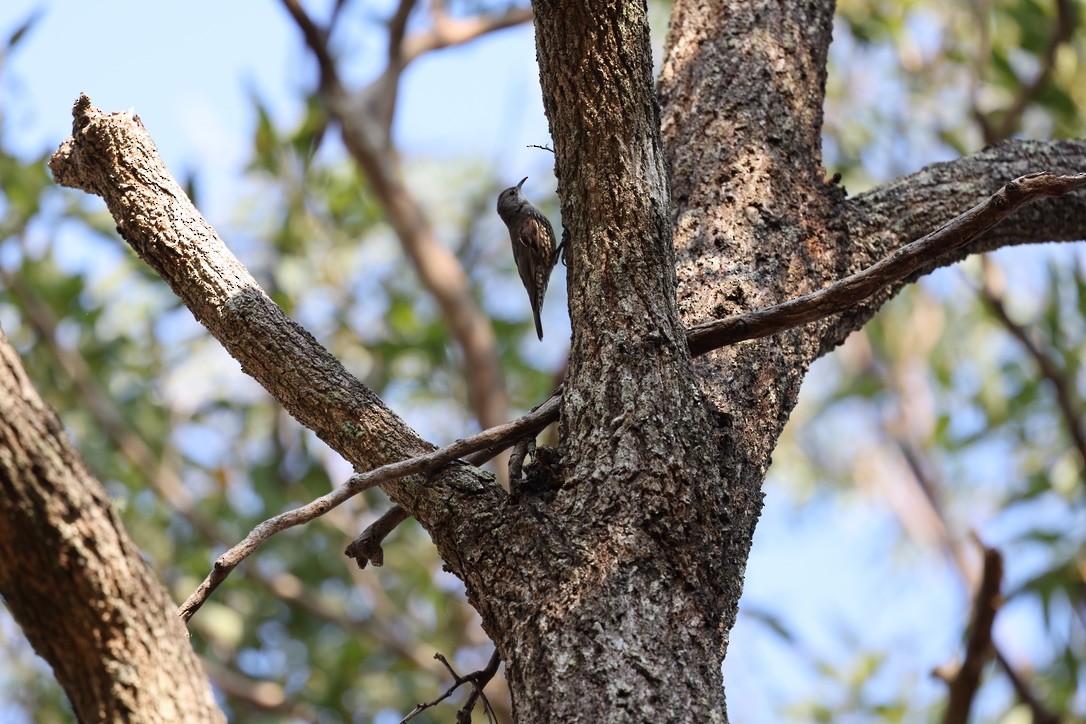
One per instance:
[(521, 183)]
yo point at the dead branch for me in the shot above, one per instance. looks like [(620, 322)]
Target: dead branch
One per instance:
[(366, 548), (500, 435), (478, 681), (850, 291)]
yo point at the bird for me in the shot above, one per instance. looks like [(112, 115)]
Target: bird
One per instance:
[(533, 241)]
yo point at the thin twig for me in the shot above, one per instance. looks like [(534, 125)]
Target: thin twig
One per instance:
[(421, 707), (846, 293), (477, 679), (501, 434), (481, 679)]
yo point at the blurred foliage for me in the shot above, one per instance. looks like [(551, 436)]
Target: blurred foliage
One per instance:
[(919, 80), (936, 378), (311, 637), (952, 426), (953, 430)]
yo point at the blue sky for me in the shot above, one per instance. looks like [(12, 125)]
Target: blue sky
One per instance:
[(188, 70), (182, 68)]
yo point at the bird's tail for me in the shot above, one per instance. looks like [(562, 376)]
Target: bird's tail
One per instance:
[(542, 279)]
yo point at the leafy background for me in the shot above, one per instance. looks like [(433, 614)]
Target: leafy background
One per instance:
[(955, 413)]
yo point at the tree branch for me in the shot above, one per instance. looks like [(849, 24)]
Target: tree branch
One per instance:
[(979, 648), (890, 216), (500, 435), (907, 260), (1050, 370), (76, 583), (365, 118), (113, 156), (366, 548), (447, 32)]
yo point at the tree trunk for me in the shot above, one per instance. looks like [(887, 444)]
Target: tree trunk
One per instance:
[(742, 90), (611, 585), (631, 625), (76, 584)]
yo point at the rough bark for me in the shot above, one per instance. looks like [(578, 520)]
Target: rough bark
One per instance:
[(755, 222), (633, 623), (893, 214), (610, 597), (113, 156), (76, 584)]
